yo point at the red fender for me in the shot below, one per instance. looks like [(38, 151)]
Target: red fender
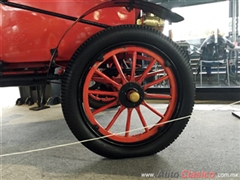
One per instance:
[(158, 10)]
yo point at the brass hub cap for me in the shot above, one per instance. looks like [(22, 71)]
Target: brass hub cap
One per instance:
[(131, 95)]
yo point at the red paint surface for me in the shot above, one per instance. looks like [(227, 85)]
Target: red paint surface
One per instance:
[(27, 36)]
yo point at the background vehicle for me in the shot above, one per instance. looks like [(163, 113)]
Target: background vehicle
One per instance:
[(107, 65)]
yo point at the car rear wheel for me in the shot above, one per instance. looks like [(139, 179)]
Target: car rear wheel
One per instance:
[(132, 60)]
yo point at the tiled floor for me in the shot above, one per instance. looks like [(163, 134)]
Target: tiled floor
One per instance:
[(210, 143)]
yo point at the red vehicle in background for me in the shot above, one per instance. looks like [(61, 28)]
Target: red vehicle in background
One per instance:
[(107, 64)]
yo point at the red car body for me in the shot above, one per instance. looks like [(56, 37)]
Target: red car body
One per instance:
[(31, 30), (104, 60), (27, 37)]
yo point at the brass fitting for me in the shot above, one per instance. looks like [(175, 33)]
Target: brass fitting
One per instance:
[(150, 20)]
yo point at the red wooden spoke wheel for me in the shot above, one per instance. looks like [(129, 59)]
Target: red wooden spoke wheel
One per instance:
[(131, 96), (135, 127)]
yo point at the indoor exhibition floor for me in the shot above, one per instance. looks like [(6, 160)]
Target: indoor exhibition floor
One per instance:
[(209, 144)]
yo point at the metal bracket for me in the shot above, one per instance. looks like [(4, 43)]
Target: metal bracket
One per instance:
[(40, 102), (130, 7)]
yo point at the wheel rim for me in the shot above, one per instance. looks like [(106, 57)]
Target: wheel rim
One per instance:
[(131, 95)]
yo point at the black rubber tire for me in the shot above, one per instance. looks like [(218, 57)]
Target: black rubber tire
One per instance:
[(85, 56)]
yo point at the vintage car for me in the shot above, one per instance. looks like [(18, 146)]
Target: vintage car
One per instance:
[(113, 63)]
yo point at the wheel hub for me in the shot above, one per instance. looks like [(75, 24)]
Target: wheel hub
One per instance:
[(131, 95)]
